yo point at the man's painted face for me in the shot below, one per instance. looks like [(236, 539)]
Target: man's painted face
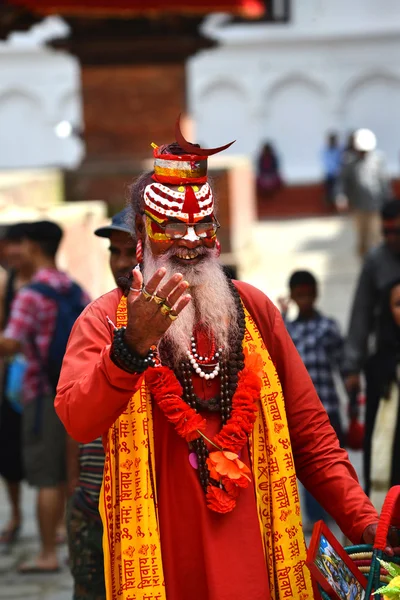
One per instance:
[(122, 254), (180, 217)]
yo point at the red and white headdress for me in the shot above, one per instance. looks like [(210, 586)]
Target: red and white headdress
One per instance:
[(193, 200)]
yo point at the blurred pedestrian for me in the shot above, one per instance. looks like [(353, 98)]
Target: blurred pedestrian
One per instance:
[(85, 462), (349, 152), (332, 161), (382, 439), (381, 266), (39, 325), (320, 344), (19, 273), (268, 176), (364, 187)]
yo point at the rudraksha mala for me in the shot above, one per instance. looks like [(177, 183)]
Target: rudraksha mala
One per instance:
[(229, 377)]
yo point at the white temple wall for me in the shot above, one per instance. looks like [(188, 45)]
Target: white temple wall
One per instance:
[(332, 68), (39, 89)]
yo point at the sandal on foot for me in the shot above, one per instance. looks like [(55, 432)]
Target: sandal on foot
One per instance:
[(31, 567), (9, 535)]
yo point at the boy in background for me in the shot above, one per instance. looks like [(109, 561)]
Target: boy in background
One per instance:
[(320, 345)]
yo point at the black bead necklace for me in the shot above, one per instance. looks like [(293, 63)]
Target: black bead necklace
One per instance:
[(230, 368)]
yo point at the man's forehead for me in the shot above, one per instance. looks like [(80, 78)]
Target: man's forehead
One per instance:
[(188, 203), (121, 238)]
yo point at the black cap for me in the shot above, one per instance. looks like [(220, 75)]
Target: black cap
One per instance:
[(40, 231), (119, 222), (15, 232), (43, 231)]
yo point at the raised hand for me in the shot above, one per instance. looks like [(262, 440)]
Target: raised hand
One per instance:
[(283, 303), (152, 309)]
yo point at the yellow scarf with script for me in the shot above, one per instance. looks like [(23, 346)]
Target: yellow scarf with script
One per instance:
[(128, 500)]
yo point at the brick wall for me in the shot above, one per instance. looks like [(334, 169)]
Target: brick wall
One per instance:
[(128, 107)]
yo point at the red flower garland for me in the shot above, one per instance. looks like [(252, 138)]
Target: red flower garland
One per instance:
[(167, 392)]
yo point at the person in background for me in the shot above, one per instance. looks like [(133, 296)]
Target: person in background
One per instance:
[(85, 462), (18, 274), (331, 160), (382, 370), (381, 266), (349, 151), (268, 176), (320, 345), (363, 188), (32, 327)]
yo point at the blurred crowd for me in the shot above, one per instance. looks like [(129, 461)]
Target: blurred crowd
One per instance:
[(38, 307), (365, 359), (355, 180)]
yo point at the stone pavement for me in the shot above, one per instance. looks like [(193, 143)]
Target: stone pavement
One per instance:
[(30, 587), (323, 245)]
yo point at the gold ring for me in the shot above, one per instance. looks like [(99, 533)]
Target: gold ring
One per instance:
[(158, 299), (172, 316), (146, 295), (165, 309)]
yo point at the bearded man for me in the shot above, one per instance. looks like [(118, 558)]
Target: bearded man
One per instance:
[(205, 409)]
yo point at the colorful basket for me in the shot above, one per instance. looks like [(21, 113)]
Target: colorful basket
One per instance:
[(366, 557)]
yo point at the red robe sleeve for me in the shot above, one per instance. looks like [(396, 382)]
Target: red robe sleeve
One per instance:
[(92, 391), (321, 464)]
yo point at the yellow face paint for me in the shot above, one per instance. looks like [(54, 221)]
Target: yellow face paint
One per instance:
[(153, 235)]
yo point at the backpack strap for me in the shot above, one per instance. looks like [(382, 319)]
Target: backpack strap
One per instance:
[(45, 290), (52, 294)]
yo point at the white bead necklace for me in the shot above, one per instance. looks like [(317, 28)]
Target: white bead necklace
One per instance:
[(194, 360)]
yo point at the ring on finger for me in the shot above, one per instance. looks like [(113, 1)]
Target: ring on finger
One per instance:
[(158, 299), (165, 309), (134, 290), (172, 315), (146, 294)]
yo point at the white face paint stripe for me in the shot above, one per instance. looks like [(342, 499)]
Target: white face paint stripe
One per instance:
[(191, 235)]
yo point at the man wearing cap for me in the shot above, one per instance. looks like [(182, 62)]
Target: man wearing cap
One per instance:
[(30, 329), (364, 187), (207, 414), (85, 462)]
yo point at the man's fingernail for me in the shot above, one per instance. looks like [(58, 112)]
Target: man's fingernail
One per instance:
[(161, 271)]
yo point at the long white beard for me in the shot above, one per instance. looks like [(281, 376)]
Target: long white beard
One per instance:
[(212, 304)]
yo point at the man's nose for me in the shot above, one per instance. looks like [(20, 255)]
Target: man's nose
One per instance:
[(191, 239)]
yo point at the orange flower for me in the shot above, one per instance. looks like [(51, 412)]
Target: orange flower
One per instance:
[(227, 465), (219, 501), (253, 362)]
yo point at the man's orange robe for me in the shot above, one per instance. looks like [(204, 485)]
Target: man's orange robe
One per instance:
[(207, 556)]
